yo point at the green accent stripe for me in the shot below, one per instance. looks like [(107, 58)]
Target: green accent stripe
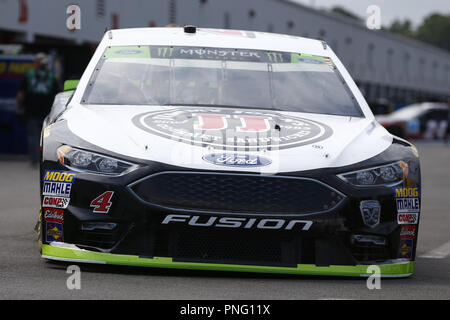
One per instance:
[(405, 268), (70, 84)]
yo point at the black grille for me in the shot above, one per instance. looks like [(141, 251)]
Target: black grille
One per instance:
[(100, 238), (240, 193), (368, 252), (97, 239), (233, 247)]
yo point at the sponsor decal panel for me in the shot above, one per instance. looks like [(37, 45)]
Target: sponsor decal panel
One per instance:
[(237, 160), (236, 129), (407, 205), (406, 249), (227, 54), (407, 218), (407, 200), (55, 202), (58, 183), (52, 214), (54, 232)]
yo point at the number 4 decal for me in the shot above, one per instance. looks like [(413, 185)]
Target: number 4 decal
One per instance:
[(103, 202)]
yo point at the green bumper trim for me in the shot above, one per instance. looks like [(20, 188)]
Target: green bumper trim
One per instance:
[(59, 253)]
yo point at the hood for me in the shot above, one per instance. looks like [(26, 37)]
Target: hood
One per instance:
[(229, 139)]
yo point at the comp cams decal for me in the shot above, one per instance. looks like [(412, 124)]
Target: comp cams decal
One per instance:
[(407, 218), (58, 183), (55, 202), (231, 128)]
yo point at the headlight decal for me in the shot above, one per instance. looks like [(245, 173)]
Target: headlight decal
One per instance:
[(91, 162), (382, 176)]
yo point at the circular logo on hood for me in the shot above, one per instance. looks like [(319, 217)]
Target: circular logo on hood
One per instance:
[(236, 129)]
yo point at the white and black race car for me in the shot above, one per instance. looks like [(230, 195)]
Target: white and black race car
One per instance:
[(224, 150)]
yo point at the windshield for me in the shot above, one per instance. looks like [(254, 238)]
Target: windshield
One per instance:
[(154, 75)]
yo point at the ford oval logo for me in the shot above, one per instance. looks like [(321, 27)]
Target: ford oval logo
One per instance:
[(237, 160)]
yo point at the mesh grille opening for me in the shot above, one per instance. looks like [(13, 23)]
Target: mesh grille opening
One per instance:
[(240, 193), (230, 247)]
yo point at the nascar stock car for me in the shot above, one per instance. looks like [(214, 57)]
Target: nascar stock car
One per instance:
[(224, 150)]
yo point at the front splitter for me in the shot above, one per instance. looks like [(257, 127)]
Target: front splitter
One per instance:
[(71, 253)]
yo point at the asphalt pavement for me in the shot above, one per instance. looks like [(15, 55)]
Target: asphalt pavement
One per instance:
[(25, 275)]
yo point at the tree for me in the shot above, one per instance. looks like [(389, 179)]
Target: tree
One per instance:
[(402, 27), (435, 29)]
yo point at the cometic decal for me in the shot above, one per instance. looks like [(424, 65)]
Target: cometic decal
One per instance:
[(58, 183), (233, 128)]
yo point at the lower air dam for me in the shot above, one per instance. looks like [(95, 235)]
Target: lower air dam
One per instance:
[(68, 252)]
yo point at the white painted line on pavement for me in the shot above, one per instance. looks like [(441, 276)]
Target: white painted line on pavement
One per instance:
[(438, 253)]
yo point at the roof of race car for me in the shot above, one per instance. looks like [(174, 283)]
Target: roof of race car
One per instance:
[(214, 38)]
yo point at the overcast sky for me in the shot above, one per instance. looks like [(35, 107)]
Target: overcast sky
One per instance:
[(415, 10)]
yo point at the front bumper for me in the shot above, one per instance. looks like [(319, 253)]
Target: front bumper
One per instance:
[(141, 239), (326, 246)]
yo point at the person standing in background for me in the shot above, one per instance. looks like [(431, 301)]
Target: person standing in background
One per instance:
[(34, 100)]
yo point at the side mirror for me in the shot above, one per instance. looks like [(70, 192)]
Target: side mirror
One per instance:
[(70, 84)]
